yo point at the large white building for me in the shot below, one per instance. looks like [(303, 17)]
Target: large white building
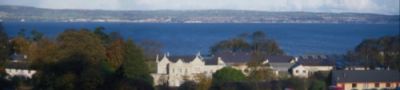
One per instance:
[(176, 70)]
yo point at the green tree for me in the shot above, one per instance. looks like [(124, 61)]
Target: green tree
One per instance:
[(381, 52), (104, 37), (36, 36), (20, 45), (42, 52), (257, 42), (188, 85), (204, 82), (115, 54), (228, 74), (296, 83), (134, 66), (21, 33), (317, 85), (4, 46), (78, 65)]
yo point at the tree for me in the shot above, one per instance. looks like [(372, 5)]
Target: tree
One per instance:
[(134, 66), (257, 42), (228, 74), (20, 45), (204, 83), (4, 45), (78, 65), (188, 85), (115, 54), (71, 44), (21, 33), (232, 45), (262, 74), (295, 83), (317, 85), (381, 52), (36, 36), (42, 52), (102, 35)]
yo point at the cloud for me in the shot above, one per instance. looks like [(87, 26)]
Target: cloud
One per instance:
[(362, 6)]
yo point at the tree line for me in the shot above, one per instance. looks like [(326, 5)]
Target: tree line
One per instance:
[(80, 59)]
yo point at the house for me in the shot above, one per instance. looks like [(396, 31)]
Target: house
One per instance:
[(237, 60), (365, 79), (280, 64), (308, 65), (18, 67), (175, 70)]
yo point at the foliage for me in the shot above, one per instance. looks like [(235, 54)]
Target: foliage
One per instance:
[(102, 35), (261, 74), (382, 52), (20, 45), (255, 43), (228, 74), (204, 82), (295, 83), (42, 52), (4, 45), (188, 85), (317, 85), (36, 36), (134, 66), (115, 54), (81, 42)]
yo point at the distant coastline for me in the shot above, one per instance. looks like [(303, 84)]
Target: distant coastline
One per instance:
[(32, 14)]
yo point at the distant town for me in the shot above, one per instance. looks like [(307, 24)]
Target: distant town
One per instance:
[(31, 14)]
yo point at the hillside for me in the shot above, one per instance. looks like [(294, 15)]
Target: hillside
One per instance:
[(31, 14)]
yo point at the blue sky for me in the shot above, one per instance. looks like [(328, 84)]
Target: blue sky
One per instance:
[(337, 6)]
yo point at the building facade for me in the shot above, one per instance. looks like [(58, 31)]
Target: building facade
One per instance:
[(365, 79), (176, 70), (308, 65)]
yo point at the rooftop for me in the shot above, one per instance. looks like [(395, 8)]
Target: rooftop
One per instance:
[(365, 76)]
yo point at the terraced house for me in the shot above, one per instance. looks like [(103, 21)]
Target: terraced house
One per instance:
[(365, 79)]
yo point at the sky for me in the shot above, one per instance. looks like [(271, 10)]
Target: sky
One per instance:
[(390, 7)]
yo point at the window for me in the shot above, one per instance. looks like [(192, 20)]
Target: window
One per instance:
[(353, 85), (304, 71), (387, 84)]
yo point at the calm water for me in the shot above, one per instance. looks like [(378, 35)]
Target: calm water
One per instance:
[(188, 39)]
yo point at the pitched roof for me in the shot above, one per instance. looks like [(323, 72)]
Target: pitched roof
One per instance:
[(234, 57), (183, 58), (315, 60), (365, 76), (281, 66), (17, 65), (211, 61), (279, 59)]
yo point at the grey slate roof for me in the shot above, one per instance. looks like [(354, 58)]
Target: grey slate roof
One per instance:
[(234, 57), (281, 66), (316, 60), (279, 59), (17, 65), (183, 58), (365, 76)]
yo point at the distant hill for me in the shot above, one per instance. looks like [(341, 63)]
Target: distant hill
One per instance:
[(31, 14)]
